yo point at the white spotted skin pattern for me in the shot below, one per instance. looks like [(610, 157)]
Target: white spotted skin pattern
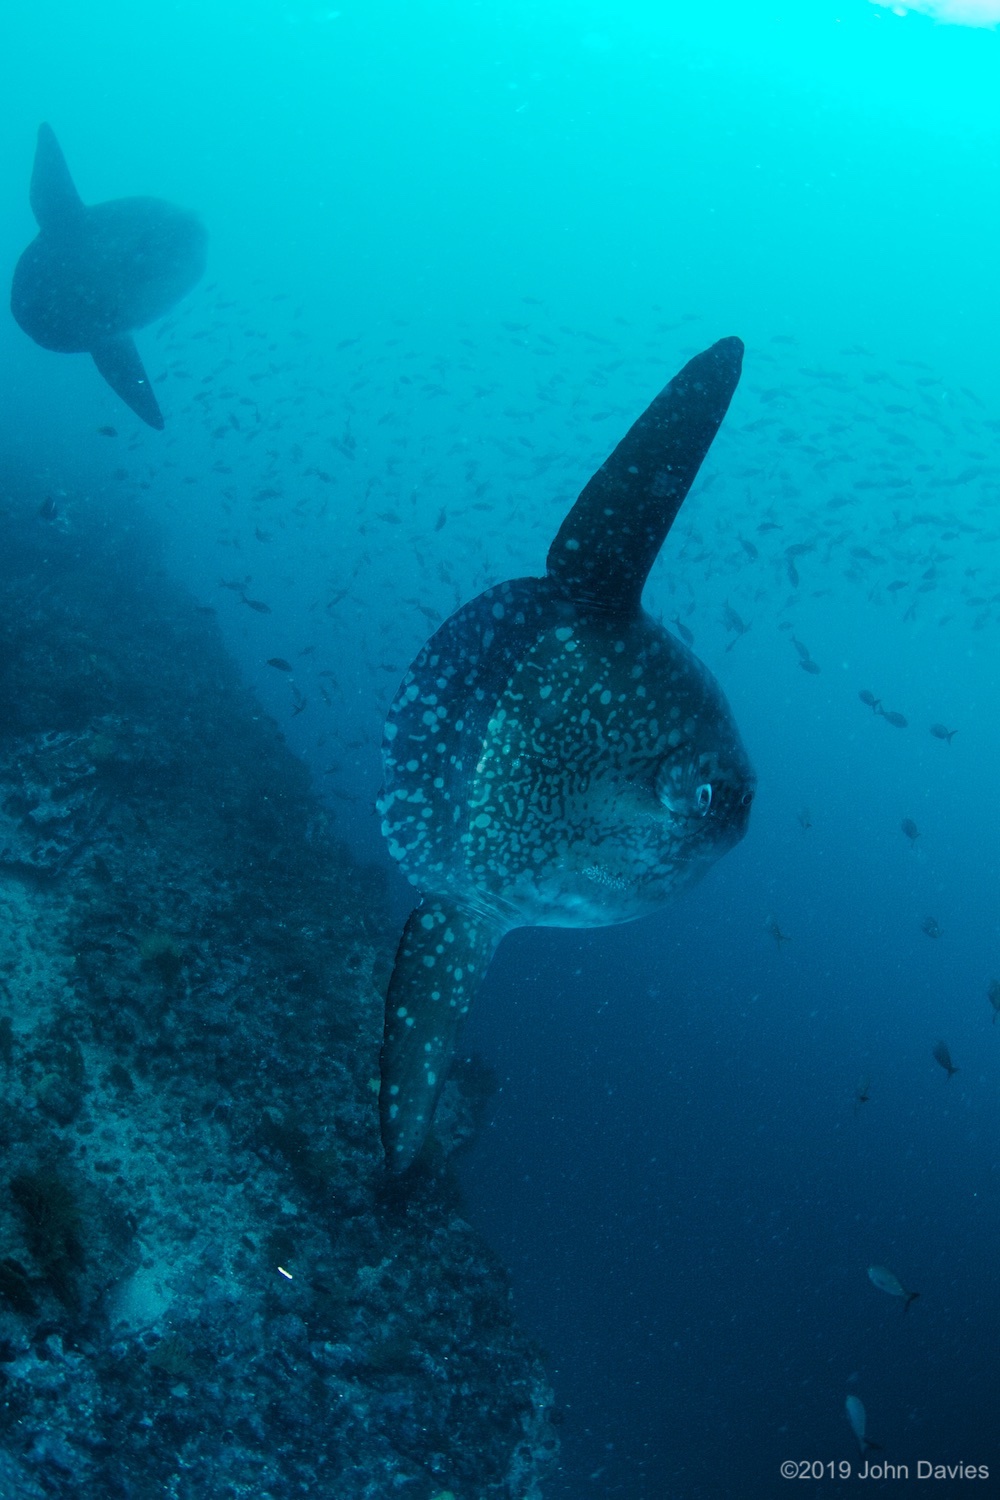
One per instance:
[(442, 956), (561, 789)]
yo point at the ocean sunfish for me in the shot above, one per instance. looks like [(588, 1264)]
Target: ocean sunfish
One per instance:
[(554, 756), (92, 275)]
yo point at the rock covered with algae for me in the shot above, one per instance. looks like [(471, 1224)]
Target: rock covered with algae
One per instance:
[(206, 1288)]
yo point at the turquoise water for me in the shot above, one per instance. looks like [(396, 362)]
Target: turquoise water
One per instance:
[(454, 250)]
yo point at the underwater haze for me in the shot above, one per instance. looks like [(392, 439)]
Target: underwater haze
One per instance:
[(455, 248)]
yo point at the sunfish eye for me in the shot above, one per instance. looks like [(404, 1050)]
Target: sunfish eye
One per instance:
[(703, 797)]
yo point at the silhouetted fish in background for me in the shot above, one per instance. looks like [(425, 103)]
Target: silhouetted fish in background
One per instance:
[(856, 1415), (773, 930), (555, 757), (943, 1056), (732, 622), (887, 1282), (94, 274), (805, 658), (993, 994)]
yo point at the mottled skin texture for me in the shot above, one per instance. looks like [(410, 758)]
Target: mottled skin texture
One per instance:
[(120, 266), (93, 274), (554, 756), (572, 802)]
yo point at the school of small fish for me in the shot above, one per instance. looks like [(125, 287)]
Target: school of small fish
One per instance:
[(286, 439)]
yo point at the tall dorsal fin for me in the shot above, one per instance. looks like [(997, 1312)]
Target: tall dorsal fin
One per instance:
[(55, 202), (609, 541)]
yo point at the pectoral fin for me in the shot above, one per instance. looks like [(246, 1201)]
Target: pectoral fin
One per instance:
[(442, 957), (118, 361)]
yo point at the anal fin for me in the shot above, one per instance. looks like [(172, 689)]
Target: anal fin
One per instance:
[(442, 957), (118, 361)]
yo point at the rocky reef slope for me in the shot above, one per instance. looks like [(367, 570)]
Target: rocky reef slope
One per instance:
[(206, 1287)]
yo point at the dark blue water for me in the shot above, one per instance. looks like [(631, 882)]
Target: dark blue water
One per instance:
[(455, 249)]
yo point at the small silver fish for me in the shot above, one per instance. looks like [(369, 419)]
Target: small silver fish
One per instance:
[(858, 1419), (886, 1282)]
